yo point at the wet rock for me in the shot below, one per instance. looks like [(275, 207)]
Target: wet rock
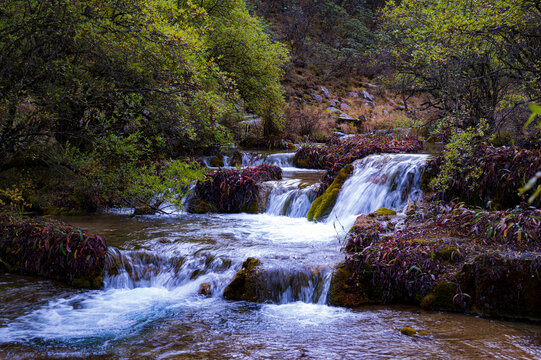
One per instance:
[(442, 297), (365, 224), (408, 331), (383, 212), (502, 285), (198, 206), (244, 285), (205, 289), (236, 159), (322, 206), (344, 292), (411, 209)]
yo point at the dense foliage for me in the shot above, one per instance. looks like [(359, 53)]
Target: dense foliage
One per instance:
[(52, 250), (330, 36), (472, 60), (486, 175), (232, 191), (517, 229)]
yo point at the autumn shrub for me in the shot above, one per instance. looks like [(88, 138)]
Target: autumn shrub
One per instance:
[(401, 266), (232, 191), (52, 250), (485, 175), (517, 229)]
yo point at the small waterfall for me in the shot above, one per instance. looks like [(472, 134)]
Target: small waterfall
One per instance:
[(385, 180), (283, 160), (290, 198), (145, 269)]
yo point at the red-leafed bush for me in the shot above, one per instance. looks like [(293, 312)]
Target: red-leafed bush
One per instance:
[(489, 175), (232, 191), (52, 250)]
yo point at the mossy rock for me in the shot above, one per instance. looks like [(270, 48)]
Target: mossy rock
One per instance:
[(198, 206), (409, 331), (217, 161), (244, 285), (343, 292), (441, 298), (384, 212), (324, 204)]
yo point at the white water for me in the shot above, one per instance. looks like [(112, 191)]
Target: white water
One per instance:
[(283, 160), (385, 180), (290, 198)]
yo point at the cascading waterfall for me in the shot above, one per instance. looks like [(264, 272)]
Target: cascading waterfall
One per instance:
[(384, 180), (290, 198), (283, 160)]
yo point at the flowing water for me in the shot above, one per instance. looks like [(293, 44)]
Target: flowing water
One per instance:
[(150, 306)]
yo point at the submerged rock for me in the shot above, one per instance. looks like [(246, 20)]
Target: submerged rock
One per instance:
[(205, 289), (408, 331)]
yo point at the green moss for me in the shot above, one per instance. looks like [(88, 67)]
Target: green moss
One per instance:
[(323, 205), (408, 331), (342, 292), (384, 212), (441, 297), (244, 285)]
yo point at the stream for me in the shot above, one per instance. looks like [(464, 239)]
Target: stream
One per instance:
[(150, 306)]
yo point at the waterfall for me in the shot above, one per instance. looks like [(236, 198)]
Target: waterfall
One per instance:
[(252, 159), (290, 198), (384, 180)]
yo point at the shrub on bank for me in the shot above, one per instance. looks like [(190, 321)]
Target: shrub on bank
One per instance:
[(486, 176), (52, 250), (232, 191)]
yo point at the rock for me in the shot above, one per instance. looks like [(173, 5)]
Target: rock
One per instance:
[(318, 98), (342, 292), (325, 91), (334, 103), (411, 209), (384, 112), (236, 159), (372, 85), (204, 289), (365, 224), (345, 107), (143, 210), (502, 285), (198, 206), (441, 298), (353, 94), (408, 331), (384, 212), (367, 96), (244, 285), (323, 205), (369, 103)]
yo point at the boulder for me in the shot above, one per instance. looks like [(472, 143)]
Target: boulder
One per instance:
[(367, 96), (205, 289), (325, 91), (322, 206)]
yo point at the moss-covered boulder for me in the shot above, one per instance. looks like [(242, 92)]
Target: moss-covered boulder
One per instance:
[(244, 285), (322, 206), (442, 297), (346, 291), (383, 212), (52, 250)]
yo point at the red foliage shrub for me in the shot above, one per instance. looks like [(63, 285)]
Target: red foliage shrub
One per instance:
[(52, 250), (232, 191)]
